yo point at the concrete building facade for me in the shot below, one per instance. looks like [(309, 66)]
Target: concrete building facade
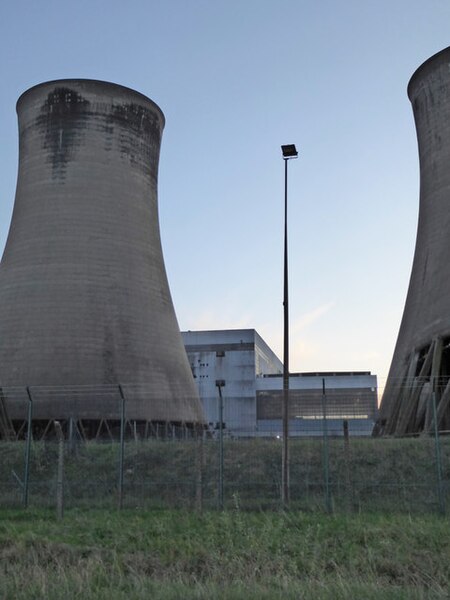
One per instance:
[(237, 357), (339, 396), (252, 393)]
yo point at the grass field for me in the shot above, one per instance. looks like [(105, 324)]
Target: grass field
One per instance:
[(385, 539), (231, 555)]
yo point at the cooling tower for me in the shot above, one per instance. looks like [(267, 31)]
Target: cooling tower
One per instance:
[(421, 361), (84, 298)]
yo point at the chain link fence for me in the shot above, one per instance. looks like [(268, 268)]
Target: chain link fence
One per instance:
[(335, 465)]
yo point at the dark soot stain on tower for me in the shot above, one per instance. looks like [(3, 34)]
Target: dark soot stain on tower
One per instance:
[(84, 297), (421, 361)]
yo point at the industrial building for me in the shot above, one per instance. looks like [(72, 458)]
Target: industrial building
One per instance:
[(418, 384), (237, 357), (85, 301), (252, 380)]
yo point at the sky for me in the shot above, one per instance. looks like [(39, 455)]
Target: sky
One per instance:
[(236, 79)]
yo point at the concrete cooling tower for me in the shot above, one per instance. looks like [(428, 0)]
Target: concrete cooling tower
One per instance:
[(421, 361), (84, 298)]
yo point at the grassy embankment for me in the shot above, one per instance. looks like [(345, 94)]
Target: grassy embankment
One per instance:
[(232, 555), (391, 475)]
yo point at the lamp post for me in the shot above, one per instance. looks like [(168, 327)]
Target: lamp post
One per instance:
[(289, 151)]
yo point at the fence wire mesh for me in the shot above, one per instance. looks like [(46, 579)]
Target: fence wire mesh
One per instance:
[(335, 464)]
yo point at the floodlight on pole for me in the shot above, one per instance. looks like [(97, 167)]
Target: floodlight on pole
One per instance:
[(289, 151)]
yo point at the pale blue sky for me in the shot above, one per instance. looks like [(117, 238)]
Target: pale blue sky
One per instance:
[(235, 80)]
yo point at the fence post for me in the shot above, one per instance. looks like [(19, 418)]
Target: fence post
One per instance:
[(71, 435), (28, 449), (121, 451), (437, 448), (326, 468), (348, 486), (60, 474), (220, 383), (199, 470)]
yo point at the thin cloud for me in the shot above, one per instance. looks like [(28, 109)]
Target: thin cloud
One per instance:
[(311, 317)]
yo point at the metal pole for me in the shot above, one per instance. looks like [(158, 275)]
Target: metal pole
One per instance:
[(326, 466), (71, 440), (28, 449), (199, 476), (60, 473), (285, 453), (122, 438), (219, 385), (437, 446), (348, 486)]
